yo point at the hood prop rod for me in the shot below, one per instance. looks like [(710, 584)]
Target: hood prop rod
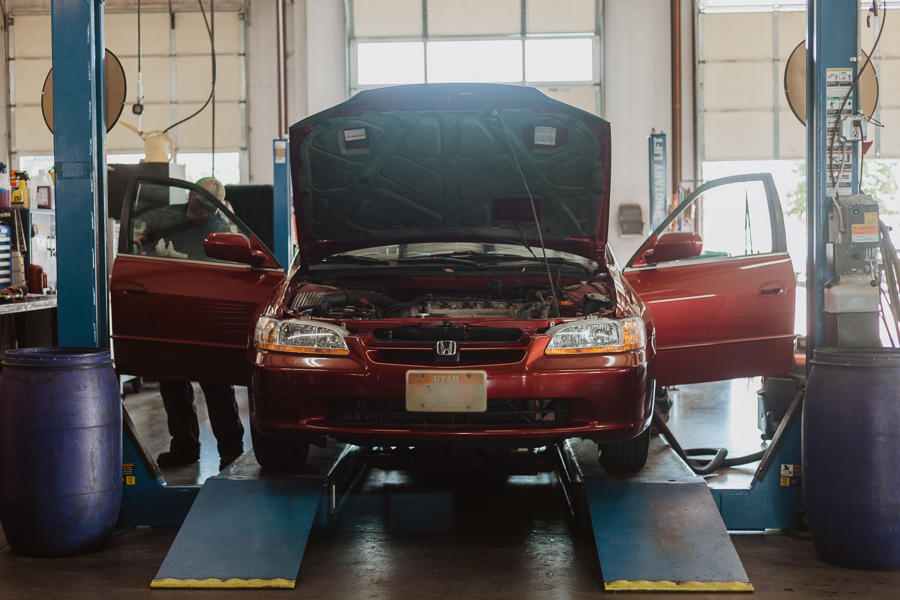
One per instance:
[(537, 222)]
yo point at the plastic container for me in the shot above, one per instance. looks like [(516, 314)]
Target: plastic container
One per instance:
[(43, 195), (19, 187), (851, 456), (60, 450), (5, 191)]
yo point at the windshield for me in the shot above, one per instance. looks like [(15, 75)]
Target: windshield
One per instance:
[(487, 250)]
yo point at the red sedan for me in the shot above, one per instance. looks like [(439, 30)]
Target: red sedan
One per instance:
[(454, 284)]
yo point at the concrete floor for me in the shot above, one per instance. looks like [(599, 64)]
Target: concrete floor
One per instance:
[(510, 538)]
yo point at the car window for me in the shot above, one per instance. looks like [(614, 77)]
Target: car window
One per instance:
[(733, 219), (169, 221)]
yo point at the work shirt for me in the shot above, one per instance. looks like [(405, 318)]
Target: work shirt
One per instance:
[(170, 225)]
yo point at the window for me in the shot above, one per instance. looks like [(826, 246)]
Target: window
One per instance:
[(559, 60), (199, 164), (477, 61), (169, 221), (553, 44), (32, 163), (734, 220), (391, 63)]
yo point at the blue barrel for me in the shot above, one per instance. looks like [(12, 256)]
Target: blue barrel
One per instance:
[(851, 456), (60, 450)]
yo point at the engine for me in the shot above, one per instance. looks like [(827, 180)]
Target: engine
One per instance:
[(472, 308), (340, 303)]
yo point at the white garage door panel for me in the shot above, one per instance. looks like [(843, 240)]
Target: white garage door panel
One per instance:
[(32, 36), (792, 136), (387, 18), (191, 36), (32, 51), (560, 16), (890, 39), (791, 31), (890, 144), (38, 139), (738, 85), (739, 36), (195, 134), (120, 30), (889, 95), (195, 77), (30, 76), (455, 17), (581, 96), (157, 84), (738, 135)]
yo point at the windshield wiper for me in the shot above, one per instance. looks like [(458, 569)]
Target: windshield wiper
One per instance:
[(354, 260), (455, 258), (504, 257)]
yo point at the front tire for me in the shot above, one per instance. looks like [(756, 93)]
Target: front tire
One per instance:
[(627, 456), (277, 455)]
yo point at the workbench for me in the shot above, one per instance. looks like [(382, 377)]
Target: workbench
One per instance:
[(28, 322)]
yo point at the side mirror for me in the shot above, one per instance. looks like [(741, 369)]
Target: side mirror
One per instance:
[(233, 247), (675, 245)]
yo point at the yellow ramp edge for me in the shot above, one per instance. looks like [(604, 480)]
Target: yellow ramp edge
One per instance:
[(642, 585), (233, 583)]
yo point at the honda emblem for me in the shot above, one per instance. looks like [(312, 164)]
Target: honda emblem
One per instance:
[(445, 348)]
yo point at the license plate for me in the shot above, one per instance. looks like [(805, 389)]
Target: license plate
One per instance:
[(446, 391)]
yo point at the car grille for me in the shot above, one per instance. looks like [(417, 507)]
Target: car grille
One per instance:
[(523, 412), (467, 356), (459, 333)]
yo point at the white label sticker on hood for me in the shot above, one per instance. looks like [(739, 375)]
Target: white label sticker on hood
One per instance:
[(354, 135), (544, 136)]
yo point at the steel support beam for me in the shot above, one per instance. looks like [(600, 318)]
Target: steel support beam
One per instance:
[(831, 41), (282, 211), (79, 156)]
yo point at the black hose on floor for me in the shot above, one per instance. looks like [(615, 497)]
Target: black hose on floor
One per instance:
[(700, 467)]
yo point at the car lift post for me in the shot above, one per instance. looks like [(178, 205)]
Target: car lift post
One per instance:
[(831, 33), (282, 226), (79, 140)]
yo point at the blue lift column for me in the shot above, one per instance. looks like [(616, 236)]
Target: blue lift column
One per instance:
[(832, 47), (282, 211), (78, 142)]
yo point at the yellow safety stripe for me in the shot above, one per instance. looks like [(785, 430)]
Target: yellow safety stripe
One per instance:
[(213, 582), (642, 585)]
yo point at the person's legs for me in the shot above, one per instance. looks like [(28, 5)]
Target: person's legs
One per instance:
[(178, 399), (224, 419)]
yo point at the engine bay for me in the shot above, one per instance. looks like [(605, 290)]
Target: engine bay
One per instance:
[(397, 299)]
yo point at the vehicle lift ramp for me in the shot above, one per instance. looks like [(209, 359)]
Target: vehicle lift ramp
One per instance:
[(658, 530), (240, 529), (663, 529)]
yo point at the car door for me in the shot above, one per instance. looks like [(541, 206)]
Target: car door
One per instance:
[(177, 312), (725, 308)]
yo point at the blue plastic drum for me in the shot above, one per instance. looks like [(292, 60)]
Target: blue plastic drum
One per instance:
[(851, 456), (60, 450)]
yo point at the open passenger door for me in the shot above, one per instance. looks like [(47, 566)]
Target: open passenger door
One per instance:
[(719, 283), (187, 280)]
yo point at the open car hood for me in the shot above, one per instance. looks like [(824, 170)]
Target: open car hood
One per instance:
[(450, 162)]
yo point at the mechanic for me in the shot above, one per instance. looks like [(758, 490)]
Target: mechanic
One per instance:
[(185, 227), (178, 230)]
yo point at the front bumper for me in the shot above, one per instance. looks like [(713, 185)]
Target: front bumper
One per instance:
[(605, 397)]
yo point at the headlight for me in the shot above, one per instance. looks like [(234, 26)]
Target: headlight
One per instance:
[(594, 336), (300, 336)]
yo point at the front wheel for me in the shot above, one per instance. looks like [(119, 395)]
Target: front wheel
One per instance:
[(627, 456), (278, 455)]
